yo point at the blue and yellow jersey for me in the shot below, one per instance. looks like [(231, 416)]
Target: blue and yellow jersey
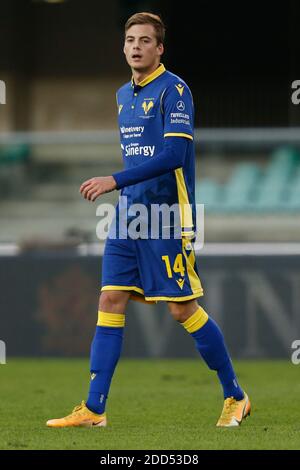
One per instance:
[(159, 107)]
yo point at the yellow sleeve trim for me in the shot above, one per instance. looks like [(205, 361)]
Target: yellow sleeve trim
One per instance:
[(114, 320), (196, 321), (178, 134)]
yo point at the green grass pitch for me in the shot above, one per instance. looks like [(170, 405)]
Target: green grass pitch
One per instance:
[(153, 404)]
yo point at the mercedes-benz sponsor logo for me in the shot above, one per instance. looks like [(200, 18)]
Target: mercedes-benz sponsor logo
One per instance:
[(180, 105)]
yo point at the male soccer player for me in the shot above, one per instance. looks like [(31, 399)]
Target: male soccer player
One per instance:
[(156, 116)]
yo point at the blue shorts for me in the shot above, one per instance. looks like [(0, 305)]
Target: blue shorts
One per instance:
[(151, 270)]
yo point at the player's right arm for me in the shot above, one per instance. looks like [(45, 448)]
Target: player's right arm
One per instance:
[(171, 157)]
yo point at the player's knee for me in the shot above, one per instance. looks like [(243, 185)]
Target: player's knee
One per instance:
[(113, 302), (181, 311), (178, 315), (178, 312)]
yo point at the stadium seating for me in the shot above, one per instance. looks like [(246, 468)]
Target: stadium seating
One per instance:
[(241, 188), (291, 199), (276, 181), (12, 154), (250, 188), (13, 160), (209, 193)]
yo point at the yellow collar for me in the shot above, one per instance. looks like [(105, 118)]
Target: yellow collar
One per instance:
[(161, 69)]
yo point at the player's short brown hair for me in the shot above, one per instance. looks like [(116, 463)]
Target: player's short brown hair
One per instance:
[(148, 18)]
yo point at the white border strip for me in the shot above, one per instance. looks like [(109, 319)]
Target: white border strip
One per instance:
[(9, 249), (210, 249), (257, 136), (219, 249), (250, 249)]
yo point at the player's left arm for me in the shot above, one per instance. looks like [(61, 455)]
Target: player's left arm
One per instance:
[(177, 108)]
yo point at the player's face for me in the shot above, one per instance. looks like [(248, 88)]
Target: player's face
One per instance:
[(141, 49)]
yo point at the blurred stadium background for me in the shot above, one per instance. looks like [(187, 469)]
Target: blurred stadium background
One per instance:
[(62, 62)]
